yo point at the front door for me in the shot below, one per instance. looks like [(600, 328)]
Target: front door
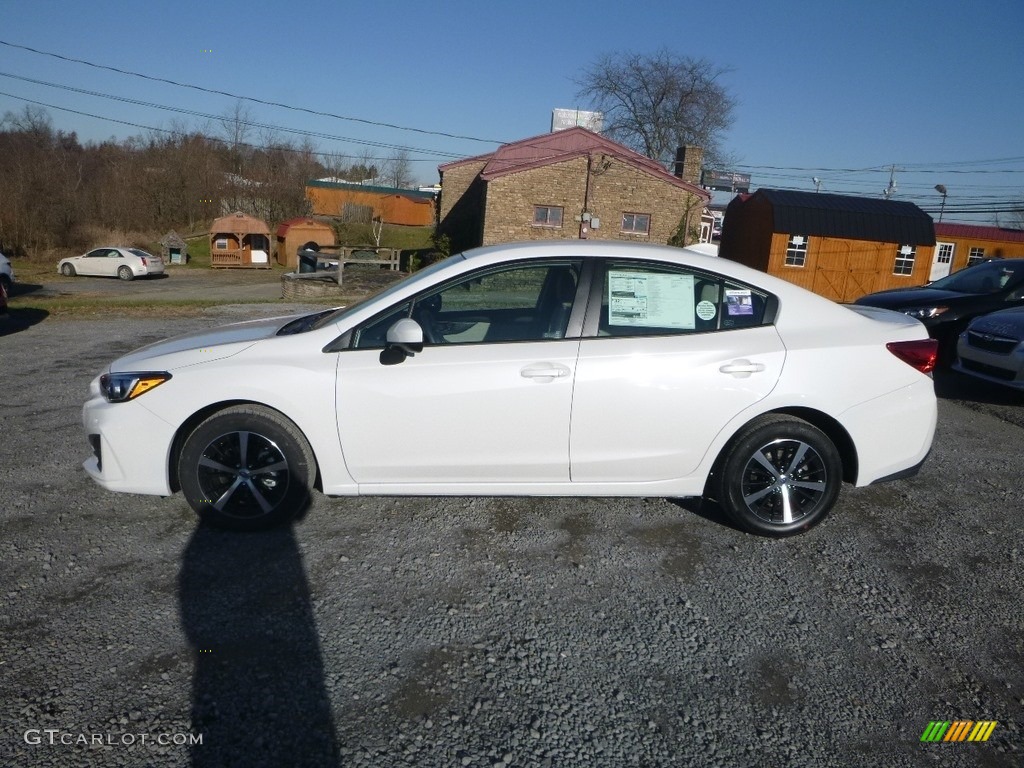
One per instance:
[(486, 401)]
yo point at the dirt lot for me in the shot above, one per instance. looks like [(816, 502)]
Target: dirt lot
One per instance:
[(493, 632)]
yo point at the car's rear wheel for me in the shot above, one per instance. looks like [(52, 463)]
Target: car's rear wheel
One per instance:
[(779, 476), (247, 468), (125, 273), (67, 270)]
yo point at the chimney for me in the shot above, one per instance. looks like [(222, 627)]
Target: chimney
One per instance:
[(688, 164)]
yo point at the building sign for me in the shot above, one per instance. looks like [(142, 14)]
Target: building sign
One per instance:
[(723, 181), (570, 118)]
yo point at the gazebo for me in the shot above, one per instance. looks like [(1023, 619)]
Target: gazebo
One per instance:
[(240, 240)]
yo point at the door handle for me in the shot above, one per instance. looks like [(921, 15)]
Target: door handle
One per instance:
[(544, 371), (741, 369)]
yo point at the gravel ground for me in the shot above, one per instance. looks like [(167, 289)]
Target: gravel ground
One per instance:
[(493, 632)]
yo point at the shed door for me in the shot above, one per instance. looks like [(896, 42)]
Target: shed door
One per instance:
[(844, 273), (943, 261)]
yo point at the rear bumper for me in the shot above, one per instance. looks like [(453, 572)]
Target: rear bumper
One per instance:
[(893, 433)]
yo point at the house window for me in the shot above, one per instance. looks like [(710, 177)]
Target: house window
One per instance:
[(975, 256), (547, 216), (905, 260), (636, 223), (796, 251), (221, 243)]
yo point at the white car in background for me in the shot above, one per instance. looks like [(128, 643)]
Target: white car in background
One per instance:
[(563, 368), (109, 261)]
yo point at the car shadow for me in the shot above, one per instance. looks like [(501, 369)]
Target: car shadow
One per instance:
[(258, 688), (708, 509), (952, 385), (20, 320)]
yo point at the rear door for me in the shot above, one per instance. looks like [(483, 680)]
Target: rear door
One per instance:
[(669, 355)]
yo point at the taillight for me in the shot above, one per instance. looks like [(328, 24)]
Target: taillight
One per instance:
[(143, 260), (920, 354)]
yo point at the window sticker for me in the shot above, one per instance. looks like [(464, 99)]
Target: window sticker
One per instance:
[(650, 300), (706, 310), (738, 302)]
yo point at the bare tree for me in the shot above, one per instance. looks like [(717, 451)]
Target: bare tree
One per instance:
[(657, 103), (236, 125), (398, 170)]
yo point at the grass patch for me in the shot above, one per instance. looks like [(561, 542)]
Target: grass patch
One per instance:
[(100, 306)]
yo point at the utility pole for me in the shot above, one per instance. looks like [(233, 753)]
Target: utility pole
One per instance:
[(891, 189)]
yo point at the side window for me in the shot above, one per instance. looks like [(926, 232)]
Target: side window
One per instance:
[(651, 300), (527, 302)]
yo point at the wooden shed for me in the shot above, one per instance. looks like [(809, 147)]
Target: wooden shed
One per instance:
[(174, 249), (240, 240), (297, 233), (839, 246), (408, 207), (961, 245)]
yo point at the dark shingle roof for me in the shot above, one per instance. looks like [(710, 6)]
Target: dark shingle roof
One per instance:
[(848, 217)]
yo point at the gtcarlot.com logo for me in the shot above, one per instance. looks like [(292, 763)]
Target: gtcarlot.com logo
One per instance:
[(56, 736), (959, 730)]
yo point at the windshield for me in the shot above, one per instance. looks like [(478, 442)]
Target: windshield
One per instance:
[(990, 277), (338, 314)]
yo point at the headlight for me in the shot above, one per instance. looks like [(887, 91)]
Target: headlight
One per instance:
[(925, 313), (122, 387)]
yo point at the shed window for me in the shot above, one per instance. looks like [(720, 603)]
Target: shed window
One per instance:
[(221, 244), (975, 256), (905, 260), (796, 251), (547, 216), (636, 223)]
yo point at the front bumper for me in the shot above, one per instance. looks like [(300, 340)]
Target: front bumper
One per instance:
[(999, 367), (131, 447)]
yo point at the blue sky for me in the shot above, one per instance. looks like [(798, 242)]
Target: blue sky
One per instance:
[(839, 90)]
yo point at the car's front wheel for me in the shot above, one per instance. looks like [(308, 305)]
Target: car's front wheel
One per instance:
[(125, 273), (67, 270), (247, 468), (779, 476)]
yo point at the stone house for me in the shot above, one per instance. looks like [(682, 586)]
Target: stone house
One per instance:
[(568, 184)]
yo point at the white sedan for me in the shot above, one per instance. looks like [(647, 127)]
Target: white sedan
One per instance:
[(124, 263), (536, 369)]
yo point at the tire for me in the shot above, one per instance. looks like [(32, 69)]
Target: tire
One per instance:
[(67, 270), (779, 476), (247, 468), (125, 273)]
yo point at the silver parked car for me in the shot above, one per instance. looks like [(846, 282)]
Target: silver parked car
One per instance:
[(992, 348), (109, 261)]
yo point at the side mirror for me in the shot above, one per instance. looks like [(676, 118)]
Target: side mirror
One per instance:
[(405, 336)]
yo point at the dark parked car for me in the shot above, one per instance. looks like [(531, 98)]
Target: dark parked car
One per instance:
[(948, 305)]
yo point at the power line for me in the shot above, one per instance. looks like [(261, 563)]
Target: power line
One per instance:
[(325, 155), (253, 99), (207, 116)]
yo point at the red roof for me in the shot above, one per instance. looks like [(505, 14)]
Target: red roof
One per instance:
[(978, 232), (559, 146)]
